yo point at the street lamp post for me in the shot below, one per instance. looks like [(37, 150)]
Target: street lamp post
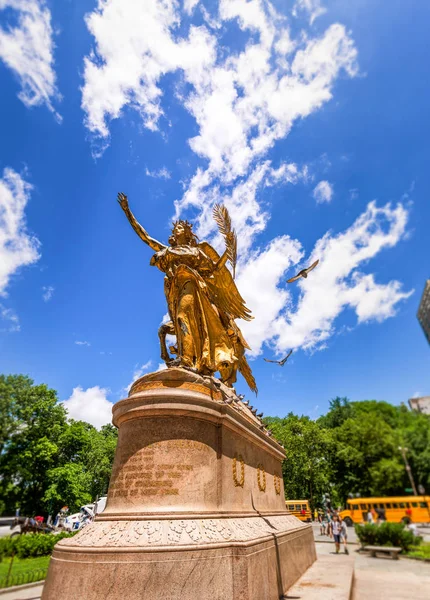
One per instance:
[(408, 469)]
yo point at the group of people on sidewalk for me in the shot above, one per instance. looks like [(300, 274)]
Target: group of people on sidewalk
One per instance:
[(331, 524)]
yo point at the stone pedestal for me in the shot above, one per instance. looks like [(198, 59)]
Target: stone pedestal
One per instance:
[(195, 507)]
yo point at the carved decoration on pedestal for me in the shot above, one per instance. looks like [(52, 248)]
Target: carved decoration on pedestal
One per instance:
[(238, 482), (261, 478), (179, 532)]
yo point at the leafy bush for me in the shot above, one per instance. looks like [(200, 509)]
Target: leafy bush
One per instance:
[(386, 534), (31, 544), (423, 552)]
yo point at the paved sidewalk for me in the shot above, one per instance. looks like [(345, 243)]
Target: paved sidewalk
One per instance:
[(388, 579), (29, 593), (329, 578), (381, 578)]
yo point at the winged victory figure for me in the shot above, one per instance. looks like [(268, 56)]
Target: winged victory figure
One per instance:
[(202, 299)]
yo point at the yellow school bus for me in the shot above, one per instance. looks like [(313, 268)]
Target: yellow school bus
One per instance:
[(406, 509), (300, 509)]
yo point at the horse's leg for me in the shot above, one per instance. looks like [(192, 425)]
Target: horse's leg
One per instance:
[(164, 330)]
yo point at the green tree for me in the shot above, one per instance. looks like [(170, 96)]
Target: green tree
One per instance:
[(100, 459), (340, 410), (306, 470), (366, 457), (70, 485), (46, 461), (31, 423)]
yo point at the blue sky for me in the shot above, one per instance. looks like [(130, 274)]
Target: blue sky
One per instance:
[(308, 119)]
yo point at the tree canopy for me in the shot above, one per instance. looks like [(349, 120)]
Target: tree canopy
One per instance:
[(46, 460), (353, 449)]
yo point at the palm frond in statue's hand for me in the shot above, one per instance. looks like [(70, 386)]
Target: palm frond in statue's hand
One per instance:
[(223, 220), (122, 200)]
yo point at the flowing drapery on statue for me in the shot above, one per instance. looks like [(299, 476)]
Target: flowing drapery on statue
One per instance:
[(202, 298)]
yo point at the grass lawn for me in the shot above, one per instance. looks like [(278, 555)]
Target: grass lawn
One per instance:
[(422, 551), (24, 570)]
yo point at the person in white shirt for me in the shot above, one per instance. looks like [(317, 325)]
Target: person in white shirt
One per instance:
[(335, 531)]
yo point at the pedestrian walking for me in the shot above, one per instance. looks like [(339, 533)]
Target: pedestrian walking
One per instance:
[(369, 516), (323, 525), (335, 531), (344, 535), (316, 515)]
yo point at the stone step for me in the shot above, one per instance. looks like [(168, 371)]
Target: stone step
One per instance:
[(329, 578)]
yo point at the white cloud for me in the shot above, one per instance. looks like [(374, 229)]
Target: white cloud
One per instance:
[(243, 102), (249, 216), (90, 405), (189, 5), (11, 319), (137, 373), (17, 247), (323, 192), (313, 8), (266, 300), (135, 46), (162, 173), (48, 292), (353, 194), (336, 283), (27, 48), (82, 343)]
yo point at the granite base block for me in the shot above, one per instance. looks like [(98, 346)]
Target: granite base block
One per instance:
[(111, 565)]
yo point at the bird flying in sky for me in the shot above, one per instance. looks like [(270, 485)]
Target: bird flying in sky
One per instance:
[(303, 272), (280, 362)]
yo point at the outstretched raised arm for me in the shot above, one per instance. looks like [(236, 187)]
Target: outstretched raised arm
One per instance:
[(141, 232)]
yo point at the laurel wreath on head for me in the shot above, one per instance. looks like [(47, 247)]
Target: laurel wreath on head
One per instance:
[(223, 220)]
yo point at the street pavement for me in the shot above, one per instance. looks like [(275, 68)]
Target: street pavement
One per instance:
[(380, 578), (31, 593)]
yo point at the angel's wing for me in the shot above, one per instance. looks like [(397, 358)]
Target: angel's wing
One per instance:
[(313, 265), (245, 369), (223, 290), (295, 278)]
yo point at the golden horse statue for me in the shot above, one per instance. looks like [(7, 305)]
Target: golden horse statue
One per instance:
[(202, 299)]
